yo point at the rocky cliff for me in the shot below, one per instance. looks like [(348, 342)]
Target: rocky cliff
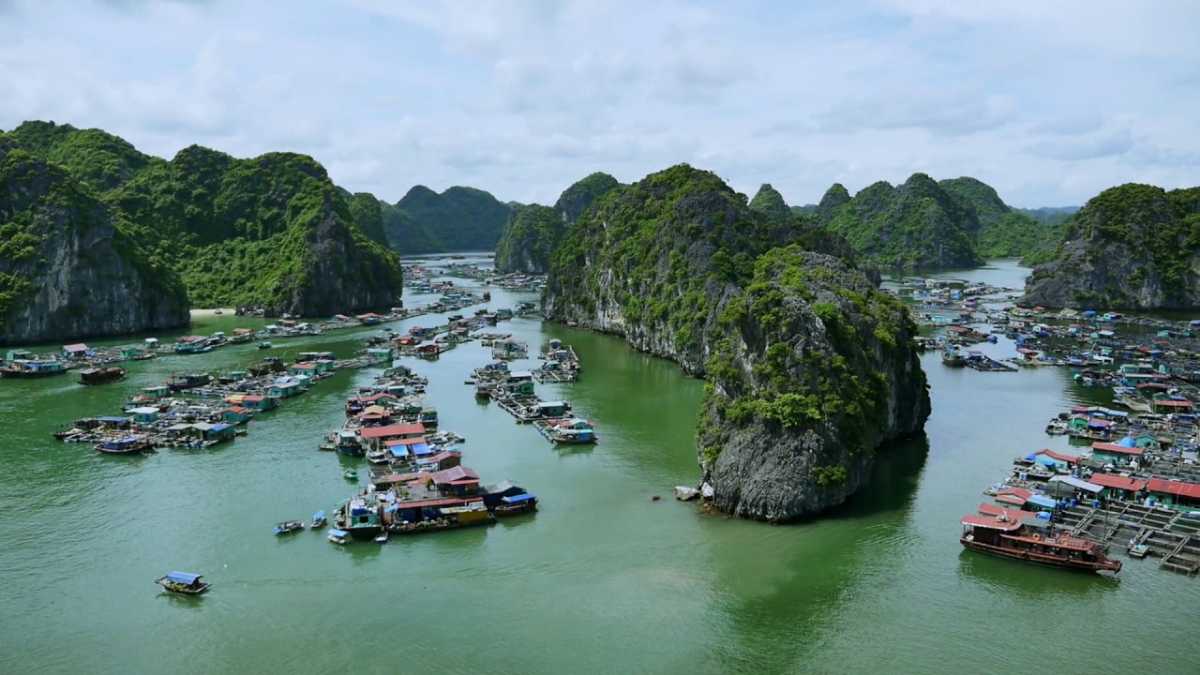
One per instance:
[(576, 199), (530, 237), (533, 232), (68, 267), (812, 368), (272, 231), (1002, 231), (1130, 247)]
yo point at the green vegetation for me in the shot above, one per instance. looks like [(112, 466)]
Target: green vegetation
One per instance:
[(917, 225), (770, 203), (368, 213), (529, 239), (1004, 232), (1131, 246), (576, 199), (50, 222), (271, 231), (816, 329), (459, 219)]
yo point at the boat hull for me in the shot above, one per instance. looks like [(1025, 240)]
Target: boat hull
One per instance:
[(1049, 559)]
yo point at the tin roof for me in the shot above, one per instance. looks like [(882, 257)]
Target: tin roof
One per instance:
[(1116, 448), (1174, 487), (1111, 480), (392, 430)]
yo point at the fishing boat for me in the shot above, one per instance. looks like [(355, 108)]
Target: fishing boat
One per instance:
[(288, 526), (318, 520), (348, 444), (126, 445), (377, 456), (100, 375), (573, 431), (264, 345), (188, 381), (185, 583), (350, 474), (1023, 536), (340, 537), (953, 358)]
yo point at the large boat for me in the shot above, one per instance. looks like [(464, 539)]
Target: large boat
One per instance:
[(1021, 535), (188, 381), (183, 582), (100, 375), (953, 357), (361, 517)]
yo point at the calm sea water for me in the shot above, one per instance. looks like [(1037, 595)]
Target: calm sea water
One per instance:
[(602, 579)]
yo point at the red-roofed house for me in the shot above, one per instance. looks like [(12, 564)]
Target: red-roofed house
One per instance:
[(377, 436), (1117, 487), (458, 480), (1174, 492), (1113, 452)]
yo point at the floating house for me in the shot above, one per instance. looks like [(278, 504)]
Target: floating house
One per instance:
[(377, 437), (1117, 453), (144, 415), (285, 387), (1175, 493), (237, 414), (1054, 460), (75, 352), (1118, 487), (459, 481)]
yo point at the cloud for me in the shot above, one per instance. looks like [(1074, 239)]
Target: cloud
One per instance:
[(524, 97)]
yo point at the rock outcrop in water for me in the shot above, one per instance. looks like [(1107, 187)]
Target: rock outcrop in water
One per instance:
[(1130, 247), (811, 366), (68, 267), (272, 231)]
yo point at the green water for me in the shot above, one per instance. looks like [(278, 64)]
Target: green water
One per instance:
[(602, 579)]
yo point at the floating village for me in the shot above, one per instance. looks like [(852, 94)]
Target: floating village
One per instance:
[(1133, 484), (1131, 490), (414, 481)]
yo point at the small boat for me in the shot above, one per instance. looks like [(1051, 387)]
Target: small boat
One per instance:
[(340, 537), (382, 537), (377, 457), (1138, 550), (350, 474), (185, 583), (129, 445), (318, 520), (264, 345), (288, 526)]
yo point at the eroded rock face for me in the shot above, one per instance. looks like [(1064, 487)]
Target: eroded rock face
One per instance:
[(812, 367), (814, 373), (67, 270), (1130, 247)]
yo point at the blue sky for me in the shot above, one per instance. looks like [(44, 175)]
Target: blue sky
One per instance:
[(1048, 102)]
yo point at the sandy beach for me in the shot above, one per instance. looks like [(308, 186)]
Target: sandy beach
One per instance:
[(204, 313)]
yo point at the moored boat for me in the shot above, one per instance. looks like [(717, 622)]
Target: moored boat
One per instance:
[(288, 526), (338, 536), (184, 583), (1023, 536), (188, 381), (318, 520), (126, 445)]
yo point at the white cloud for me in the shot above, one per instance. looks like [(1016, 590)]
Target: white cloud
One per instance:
[(1049, 102)]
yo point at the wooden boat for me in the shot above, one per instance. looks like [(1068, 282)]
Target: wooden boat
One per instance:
[(188, 381), (100, 375), (1021, 535), (184, 583), (128, 445), (288, 526), (318, 520)]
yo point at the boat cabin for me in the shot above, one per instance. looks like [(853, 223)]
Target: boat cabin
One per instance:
[(75, 352), (145, 414)]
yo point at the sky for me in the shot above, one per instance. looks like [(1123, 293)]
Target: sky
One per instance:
[(1049, 102)]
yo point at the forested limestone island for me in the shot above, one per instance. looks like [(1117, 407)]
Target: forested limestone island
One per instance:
[(927, 225), (69, 265), (533, 232), (1133, 247), (272, 231), (457, 219), (811, 368)]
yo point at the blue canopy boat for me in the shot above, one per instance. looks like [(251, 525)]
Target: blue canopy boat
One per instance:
[(318, 520), (183, 582), (288, 526), (339, 536)]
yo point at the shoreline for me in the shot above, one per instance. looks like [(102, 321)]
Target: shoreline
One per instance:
[(205, 313)]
